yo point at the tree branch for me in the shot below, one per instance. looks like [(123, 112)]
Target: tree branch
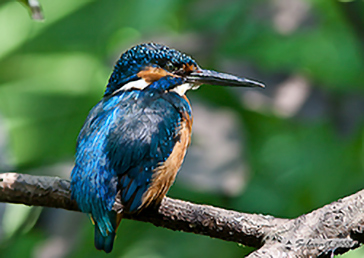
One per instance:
[(337, 227)]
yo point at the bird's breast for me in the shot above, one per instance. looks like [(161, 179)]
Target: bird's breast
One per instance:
[(165, 174)]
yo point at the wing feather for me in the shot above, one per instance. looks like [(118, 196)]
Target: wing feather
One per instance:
[(140, 142)]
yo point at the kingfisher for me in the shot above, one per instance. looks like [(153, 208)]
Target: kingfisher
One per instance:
[(134, 140)]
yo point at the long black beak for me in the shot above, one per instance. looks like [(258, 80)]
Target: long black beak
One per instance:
[(222, 79)]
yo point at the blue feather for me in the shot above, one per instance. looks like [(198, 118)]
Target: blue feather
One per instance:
[(122, 141), (128, 192), (103, 242)]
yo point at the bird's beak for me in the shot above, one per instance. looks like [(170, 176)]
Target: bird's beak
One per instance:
[(223, 79)]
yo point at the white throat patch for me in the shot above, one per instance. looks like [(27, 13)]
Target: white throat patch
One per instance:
[(181, 89)]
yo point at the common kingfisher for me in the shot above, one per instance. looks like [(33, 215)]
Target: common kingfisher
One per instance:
[(134, 140)]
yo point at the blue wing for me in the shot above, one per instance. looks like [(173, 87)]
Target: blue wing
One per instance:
[(143, 139)]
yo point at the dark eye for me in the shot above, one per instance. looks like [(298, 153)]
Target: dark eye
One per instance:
[(170, 66)]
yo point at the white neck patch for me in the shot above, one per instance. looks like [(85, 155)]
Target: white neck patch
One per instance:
[(140, 84)]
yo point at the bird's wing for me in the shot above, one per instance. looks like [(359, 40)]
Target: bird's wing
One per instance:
[(142, 143)]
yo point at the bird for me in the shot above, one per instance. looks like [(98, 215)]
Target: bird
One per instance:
[(135, 138)]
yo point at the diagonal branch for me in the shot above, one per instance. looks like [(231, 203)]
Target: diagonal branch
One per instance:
[(337, 227)]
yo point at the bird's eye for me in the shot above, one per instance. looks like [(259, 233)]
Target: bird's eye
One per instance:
[(170, 66)]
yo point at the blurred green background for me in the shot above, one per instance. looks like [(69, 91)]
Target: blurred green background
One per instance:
[(284, 151)]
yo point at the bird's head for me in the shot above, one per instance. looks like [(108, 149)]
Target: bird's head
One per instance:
[(147, 63)]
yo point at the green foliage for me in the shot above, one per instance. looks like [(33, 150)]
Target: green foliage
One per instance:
[(53, 72)]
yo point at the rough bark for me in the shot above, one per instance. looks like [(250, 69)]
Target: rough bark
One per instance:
[(337, 227)]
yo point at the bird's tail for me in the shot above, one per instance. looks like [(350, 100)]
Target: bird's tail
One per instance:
[(106, 243)]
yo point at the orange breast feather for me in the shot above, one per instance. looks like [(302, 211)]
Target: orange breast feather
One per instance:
[(165, 174)]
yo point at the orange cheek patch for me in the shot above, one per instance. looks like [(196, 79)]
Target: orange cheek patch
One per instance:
[(152, 74), (189, 68)]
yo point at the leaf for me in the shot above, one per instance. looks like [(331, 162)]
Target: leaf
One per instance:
[(19, 219)]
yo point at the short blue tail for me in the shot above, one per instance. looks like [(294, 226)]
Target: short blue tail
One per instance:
[(104, 242)]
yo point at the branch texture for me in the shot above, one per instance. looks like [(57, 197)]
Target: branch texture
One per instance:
[(337, 227)]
